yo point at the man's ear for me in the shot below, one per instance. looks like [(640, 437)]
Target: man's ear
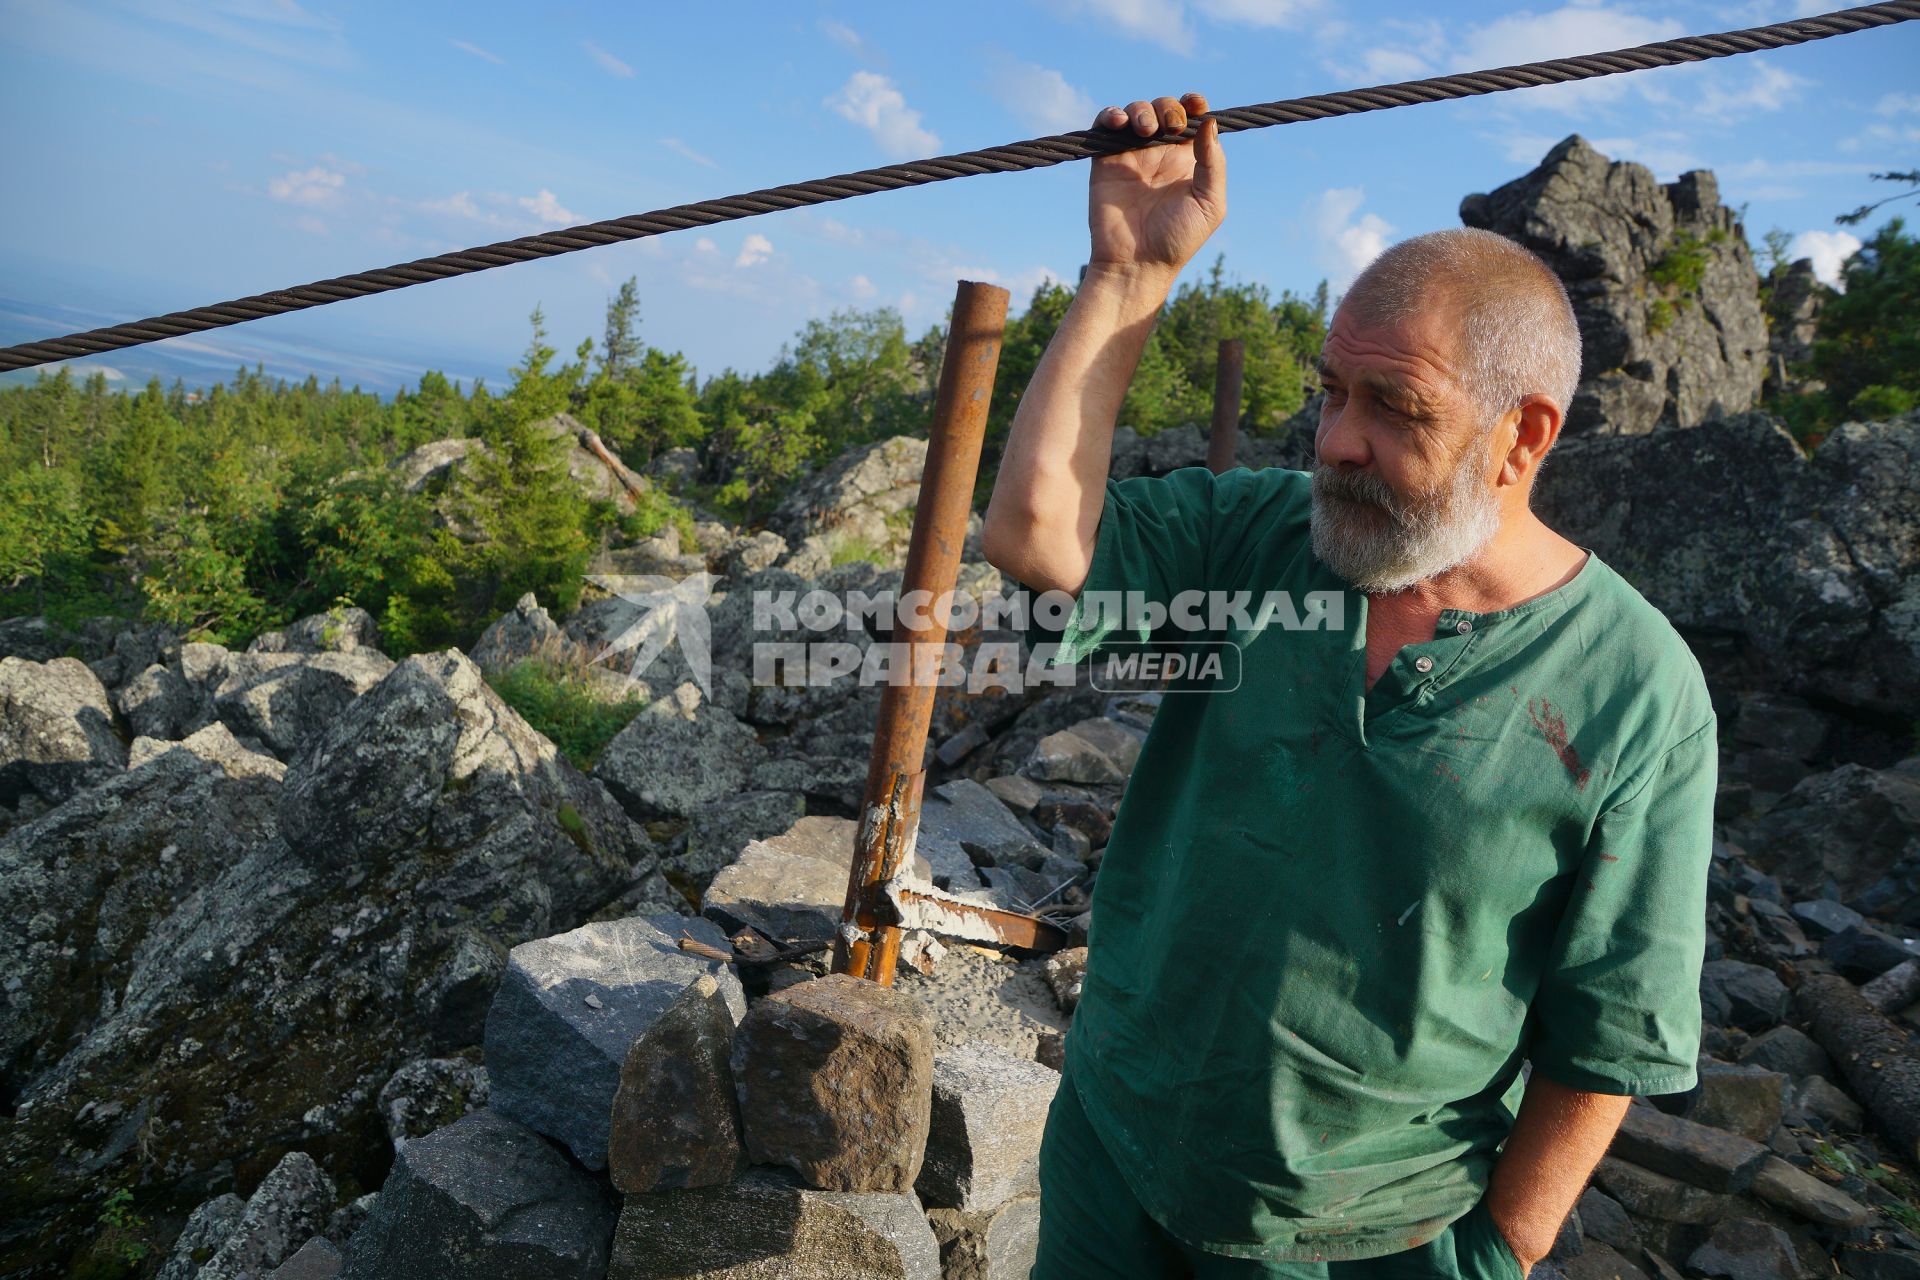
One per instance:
[(1535, 425)]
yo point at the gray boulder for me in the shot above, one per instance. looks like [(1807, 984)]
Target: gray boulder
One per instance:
[(983, 1144), (217, 746), (570, 1008), (56, 730), (1662, 282), (962, 824), (719, 831), (675, 1120), (426, 1094), (835, 1080), (1793, 296), (1734, 993), (1807, 562), (1697, 1154), (433, 464), (860, 497), (1793, 1189), (523, 632), (218, 964), (1658, 1198), (317, 1259), (484, 1196), (159, 703), (342, 630), (767, 1224), (1001, 1243), (433, 759), (1788, 1050), (1747, 1100), (287, 700), (666, 764), (791, 887), (36, 639), (207, 1229), (1839, 833), (91, 881), (287, 1209), (1747, 1249)]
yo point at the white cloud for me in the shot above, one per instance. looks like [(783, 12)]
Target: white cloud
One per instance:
[(548, 209), (311, 225), (106, 371), (862, 288), (1257, 13), (1565, 32), (316, 186), (1042, 98), (478, 52), (1768, 88), (1829, 251), (705, 244), (1898, 104), (1164, 22), (871, 101), (460, 204), (1346, 242), (681, 149), (1390, 66), (844, 36), (1561, 33), (608, 63), (754, 250)]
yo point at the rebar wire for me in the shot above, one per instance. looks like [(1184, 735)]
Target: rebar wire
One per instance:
[(1037, 153)]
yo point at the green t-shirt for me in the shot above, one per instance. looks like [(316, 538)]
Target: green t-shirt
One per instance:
[(1332, 921)]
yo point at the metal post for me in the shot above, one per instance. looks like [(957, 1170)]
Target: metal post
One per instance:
[(869, 942), (1224, 436)]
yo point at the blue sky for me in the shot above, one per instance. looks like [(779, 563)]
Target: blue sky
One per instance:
[(171, 153)]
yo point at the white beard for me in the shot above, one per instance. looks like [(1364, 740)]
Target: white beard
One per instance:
[(1382, 542)]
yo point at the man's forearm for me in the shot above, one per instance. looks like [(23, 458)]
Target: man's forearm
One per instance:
[(1047, 497), (1557, 1139)]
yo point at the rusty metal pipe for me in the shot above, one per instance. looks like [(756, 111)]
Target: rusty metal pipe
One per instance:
[(869, 941), (1224, 436)]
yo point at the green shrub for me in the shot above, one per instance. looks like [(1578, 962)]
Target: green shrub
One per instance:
[(1880, 401), (850, 549), (1683, 266), (560, 702)]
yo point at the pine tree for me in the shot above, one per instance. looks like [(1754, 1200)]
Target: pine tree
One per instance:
[(622, 345)]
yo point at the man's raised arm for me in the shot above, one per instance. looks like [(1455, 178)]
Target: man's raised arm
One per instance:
[(1149, 210)]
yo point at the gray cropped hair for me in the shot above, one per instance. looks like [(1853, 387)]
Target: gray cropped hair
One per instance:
[(1518, 335)]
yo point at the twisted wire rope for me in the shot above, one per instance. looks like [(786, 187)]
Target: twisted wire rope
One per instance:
[(1035, 153)]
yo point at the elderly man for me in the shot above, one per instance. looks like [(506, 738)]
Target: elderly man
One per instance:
[(1464, 827)]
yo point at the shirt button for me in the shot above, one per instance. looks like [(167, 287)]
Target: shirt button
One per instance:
[(1463, 626), (1423, 664)]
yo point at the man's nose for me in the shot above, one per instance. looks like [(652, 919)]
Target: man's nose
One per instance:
[(1340, 439)]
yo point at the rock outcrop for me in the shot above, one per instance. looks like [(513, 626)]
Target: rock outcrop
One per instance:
[(56, 731), (1662, 281), (1811, 564), (216, 966)]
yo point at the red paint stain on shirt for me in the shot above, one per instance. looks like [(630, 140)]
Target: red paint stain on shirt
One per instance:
[(1553, 727)]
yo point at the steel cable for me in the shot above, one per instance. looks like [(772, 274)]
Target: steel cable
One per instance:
[(1037, 153)]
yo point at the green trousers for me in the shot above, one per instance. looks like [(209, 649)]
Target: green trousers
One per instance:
[(1092, 1228)]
